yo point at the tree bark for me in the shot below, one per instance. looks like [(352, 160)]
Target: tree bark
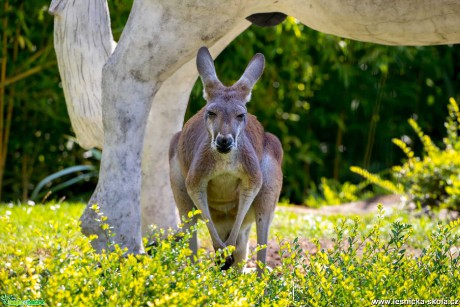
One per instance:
[(83, 42)]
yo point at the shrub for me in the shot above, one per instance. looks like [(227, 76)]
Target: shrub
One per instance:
[(332, 192), (434, 178), (361, 271), (54, 262)]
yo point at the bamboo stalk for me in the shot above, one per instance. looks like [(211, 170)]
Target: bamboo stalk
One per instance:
[(9, 117), (9, 111), (3, 70), (34, 57), (2, 91), (25, 74), (24, 177), (373, 123), (338, 143)]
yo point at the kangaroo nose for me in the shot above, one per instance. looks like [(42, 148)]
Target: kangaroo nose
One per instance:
[(224, 143)]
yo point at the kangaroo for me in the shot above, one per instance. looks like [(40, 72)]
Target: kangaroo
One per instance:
[(225, 165)]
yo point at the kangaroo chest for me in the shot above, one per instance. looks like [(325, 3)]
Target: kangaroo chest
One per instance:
[(224, 186)]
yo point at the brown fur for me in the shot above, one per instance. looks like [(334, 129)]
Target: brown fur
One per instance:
[(233, 185)]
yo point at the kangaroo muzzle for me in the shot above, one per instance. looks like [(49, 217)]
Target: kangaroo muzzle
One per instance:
[(224, 143)]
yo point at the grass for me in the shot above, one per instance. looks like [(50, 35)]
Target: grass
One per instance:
[(43, 256)]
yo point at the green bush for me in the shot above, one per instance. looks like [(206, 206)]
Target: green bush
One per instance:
[(332, 192), (53, 262), (434, 178)]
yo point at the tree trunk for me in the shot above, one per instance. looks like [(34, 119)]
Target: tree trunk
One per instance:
[(83, 42)]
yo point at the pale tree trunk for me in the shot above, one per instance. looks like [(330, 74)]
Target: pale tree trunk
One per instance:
[(83, 42), (152, 70)]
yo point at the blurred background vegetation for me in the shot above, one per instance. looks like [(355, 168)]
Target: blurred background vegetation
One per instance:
[(332, 102)]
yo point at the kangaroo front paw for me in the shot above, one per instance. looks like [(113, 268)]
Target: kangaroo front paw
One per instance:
[(228, 263)]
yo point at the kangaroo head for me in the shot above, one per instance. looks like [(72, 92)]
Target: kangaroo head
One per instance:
[(225, 110)]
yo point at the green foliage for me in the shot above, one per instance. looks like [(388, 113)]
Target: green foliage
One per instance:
[(360, 269), (39, 139), (376, 179), (434, 178), (81, 172), (44, 256), (29, 93), (332, 192)]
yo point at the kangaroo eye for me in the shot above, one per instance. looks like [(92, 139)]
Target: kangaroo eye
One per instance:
[(211, 114), (241, 116)]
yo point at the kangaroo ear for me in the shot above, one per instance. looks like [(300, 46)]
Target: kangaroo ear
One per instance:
[(207, 72), (251, 75)]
